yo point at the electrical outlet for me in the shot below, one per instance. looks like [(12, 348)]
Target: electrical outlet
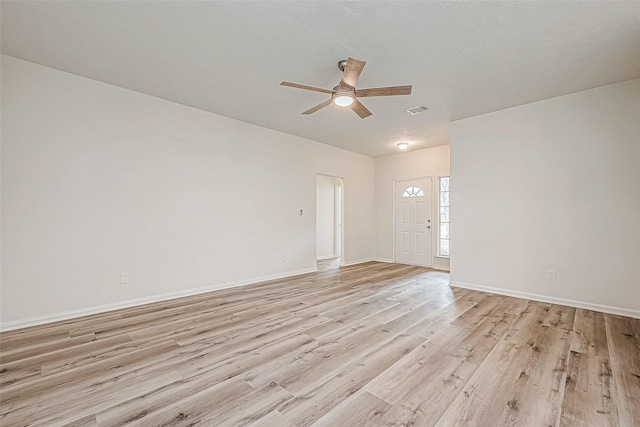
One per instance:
[(551, 275), (124, 278), (283, 256)]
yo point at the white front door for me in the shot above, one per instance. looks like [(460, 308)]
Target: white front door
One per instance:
[(413, 222)]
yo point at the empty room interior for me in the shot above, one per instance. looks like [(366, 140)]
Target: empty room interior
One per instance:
[(301, 213)]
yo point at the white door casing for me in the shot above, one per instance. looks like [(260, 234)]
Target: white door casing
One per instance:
[(338, 221), (412, 223), (329, 217)]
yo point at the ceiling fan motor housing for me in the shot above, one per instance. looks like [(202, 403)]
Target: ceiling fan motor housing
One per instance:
[(344, 90)]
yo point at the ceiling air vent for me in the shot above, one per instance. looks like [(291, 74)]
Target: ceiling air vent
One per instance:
[(417, 110)]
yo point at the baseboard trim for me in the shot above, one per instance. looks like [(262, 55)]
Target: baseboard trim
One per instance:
[(553, 300), (321, 258), (72, 314), (390, 261), (359, 261), (438, 266)]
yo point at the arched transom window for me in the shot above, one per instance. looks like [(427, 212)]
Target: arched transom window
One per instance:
[(413, 191)]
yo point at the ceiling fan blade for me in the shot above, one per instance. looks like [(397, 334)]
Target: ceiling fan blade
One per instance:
[(360, 109), (317, 107), (352, 71), (307, 87), (384, 91)]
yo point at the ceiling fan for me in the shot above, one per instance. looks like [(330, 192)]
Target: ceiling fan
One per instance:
[(346, 94)]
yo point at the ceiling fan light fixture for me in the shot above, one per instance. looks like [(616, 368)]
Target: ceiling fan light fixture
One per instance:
[(343, 100), (345, 93), (403, 145)]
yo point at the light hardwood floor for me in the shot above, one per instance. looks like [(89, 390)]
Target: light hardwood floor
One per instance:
[(368, 345)]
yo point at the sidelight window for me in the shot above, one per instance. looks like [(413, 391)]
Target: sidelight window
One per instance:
[(443, 232)]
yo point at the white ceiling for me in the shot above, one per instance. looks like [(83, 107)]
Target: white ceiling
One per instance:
[(462, 58)]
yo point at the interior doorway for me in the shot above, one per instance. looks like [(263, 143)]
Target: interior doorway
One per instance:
[(329, 219), (412, 221)]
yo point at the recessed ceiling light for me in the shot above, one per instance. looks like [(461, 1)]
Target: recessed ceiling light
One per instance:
[(403, 145), (417, 110)]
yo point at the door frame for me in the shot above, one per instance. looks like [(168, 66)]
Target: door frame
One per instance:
[(338, 189), (338, 226), (433, 212)]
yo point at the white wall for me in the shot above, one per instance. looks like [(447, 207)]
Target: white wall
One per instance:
[(551, 185), (325, 217), (99, 180), (427, 162)]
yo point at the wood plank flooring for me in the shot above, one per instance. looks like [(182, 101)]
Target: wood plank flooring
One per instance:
[(368, 345)]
